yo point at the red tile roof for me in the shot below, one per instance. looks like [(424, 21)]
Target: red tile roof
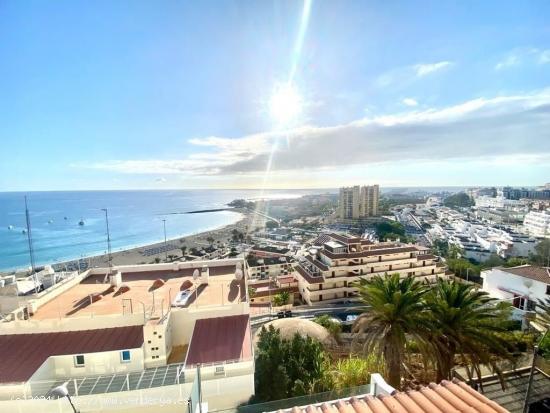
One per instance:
[(23, 354), (308, 276), (541, 274), (220, 339), (446, 397)]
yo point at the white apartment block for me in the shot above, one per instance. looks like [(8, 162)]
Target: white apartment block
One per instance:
[(521, 286), (135, 334), (537, 224), (358, 202), (335, 262)]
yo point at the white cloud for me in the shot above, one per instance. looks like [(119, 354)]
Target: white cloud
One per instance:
[(544, 57), (427, 68), (484, 128), (409, 102), (509, 61)]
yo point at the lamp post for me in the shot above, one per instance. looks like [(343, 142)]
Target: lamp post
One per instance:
[(62, 391), (165, 251), (110, 257)]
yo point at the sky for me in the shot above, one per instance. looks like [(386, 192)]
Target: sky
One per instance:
[(180, 94)]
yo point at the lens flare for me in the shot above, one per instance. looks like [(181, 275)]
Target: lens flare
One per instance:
[(285, 105)]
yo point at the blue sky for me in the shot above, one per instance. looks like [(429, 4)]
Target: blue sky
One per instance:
[(174, 94)]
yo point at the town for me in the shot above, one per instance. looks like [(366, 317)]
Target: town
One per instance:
[(219, 324)]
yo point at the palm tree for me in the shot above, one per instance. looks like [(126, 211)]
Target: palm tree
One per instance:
[(397, 312), (465, 323), (543, 312)]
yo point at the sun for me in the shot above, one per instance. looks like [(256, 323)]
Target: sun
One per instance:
[(285, 105)]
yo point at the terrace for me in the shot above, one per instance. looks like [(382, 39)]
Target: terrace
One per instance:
[(141, 291)]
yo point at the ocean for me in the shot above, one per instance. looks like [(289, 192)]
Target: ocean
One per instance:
[(135, 218)]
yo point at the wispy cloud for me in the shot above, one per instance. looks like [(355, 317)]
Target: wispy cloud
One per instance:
[(502, 126), (406, 75), (509, 61), (527, 55), (409, 102), (427, 68)]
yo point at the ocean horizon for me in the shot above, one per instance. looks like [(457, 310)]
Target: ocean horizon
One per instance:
[(135, 219)]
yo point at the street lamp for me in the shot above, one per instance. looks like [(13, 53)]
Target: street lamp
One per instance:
[(110, 257), (165, 251), (62, 391)]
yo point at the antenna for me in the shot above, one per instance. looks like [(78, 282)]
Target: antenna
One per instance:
[(108, 241), (31, 248)]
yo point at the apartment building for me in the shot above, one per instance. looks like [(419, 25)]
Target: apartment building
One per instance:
[(522, 286), (334, 263), (136, 333), (537, 224), (358, 202)]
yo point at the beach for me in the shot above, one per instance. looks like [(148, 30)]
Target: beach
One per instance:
[(151, 253)]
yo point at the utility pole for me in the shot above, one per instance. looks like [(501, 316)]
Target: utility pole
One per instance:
[(165, 251), (109, 255), (31, 247)]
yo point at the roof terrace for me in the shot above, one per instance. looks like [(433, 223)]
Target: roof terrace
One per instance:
[(142, 290)]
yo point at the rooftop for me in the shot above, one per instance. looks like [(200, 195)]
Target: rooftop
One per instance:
[(446, 397), (220, 339), (541, 274), (27, 352), (222, 289)]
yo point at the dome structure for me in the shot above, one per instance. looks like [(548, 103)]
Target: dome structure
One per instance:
[(306, 328)]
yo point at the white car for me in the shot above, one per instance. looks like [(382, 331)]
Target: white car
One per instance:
[(181, 298)]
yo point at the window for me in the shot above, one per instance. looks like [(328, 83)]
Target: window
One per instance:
[(548, 289), (79, 360), (125, 356)]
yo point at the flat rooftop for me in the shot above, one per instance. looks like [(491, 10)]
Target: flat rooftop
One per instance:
[(220, 339), (222, 289)]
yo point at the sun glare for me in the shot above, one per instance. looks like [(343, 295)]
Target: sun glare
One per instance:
[(285, 105)]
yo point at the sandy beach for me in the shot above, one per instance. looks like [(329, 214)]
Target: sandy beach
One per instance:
[(150, 253)]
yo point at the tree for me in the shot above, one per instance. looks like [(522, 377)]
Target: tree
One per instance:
[(465, 323), (516, 261), (389, 230), (271, 225), (543, 312), (493, 261), (287, 368), (333, 326), (281, 298), (210, 240), (454, 251), (183, 250), (460, 200), (542, 253), (396, 311)]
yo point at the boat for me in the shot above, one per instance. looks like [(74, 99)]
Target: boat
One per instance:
[(50, 221), (65, 218), (10, 227), (81, 222), (24, 231)]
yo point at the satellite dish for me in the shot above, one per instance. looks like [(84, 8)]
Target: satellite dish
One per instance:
[(196, 274), (239, 265), (238, 274)]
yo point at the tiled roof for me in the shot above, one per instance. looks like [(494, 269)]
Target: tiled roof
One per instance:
[(308, 277), (447, 397), (23, 354), (541, 274), (317, 263), (220, 339)]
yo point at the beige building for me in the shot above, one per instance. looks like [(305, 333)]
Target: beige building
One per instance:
[(336, 262), (138, 334), (358, 202)]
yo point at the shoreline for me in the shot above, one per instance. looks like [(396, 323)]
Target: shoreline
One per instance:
[(145, 253)]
